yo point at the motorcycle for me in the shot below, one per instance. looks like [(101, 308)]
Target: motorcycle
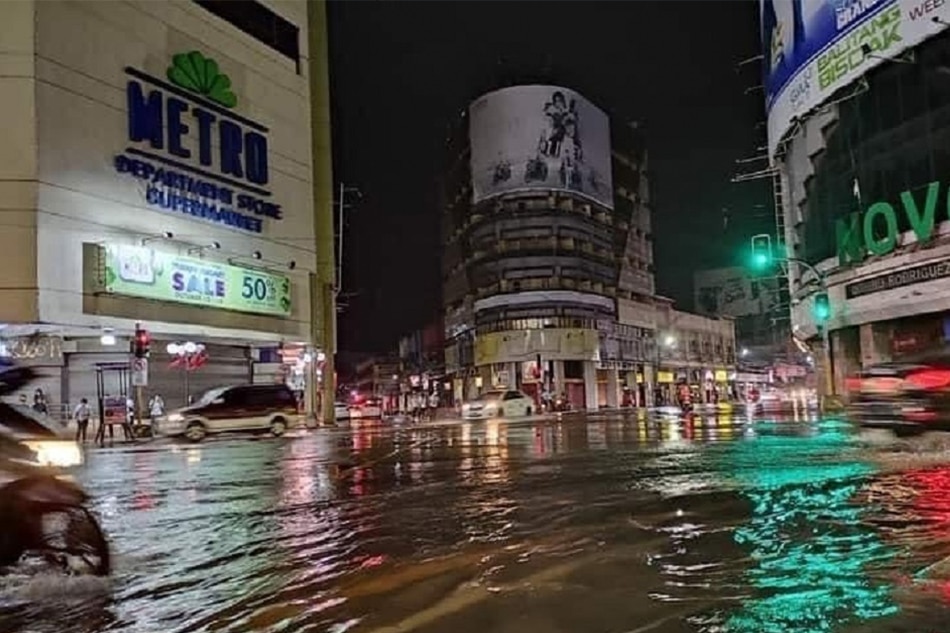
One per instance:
[(43, 515), (559, 404)]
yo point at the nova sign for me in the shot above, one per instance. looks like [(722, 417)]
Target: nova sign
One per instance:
[(876, 231), (193, 154)]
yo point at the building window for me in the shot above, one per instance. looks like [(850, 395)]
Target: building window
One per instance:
[(260, 23)]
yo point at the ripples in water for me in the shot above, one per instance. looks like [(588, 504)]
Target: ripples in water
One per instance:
[(614, 526)]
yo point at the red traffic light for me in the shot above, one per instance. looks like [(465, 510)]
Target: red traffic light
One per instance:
[(141, 343)]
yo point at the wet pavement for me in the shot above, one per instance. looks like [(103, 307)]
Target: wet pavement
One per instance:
[(606, 525)]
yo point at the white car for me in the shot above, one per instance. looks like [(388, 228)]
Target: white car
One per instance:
[(368, 408), (498, 404), (341, 411)]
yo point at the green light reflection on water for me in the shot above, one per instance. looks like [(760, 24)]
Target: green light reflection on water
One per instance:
[(811, 553)]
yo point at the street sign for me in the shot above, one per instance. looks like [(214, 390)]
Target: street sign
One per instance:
[(139, 372)]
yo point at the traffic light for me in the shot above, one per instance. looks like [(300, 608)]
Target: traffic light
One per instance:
[(141, 342), (822, 307), (761, 250)]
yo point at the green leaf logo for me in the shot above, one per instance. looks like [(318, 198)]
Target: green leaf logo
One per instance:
[(199, 74)]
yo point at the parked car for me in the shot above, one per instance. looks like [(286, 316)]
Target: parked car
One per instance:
[(907, 398), (366, 408), (341, 411), (239, 408), (497, 404)]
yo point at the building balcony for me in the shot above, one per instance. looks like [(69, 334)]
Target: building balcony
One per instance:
[(543, 246), (545, 283)]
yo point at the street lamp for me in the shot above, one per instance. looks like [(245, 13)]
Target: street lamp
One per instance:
[(745, 352)]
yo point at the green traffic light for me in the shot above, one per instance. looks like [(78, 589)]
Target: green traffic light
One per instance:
[(761, 251), (822, 307)]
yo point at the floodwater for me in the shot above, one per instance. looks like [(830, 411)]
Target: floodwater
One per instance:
[(581, 526)]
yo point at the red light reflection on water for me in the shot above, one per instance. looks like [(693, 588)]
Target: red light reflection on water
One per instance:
[(143, 470), (926, 503), (932, 499)]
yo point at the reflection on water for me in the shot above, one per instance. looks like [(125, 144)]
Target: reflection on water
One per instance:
[(814, 558), (616, 525)]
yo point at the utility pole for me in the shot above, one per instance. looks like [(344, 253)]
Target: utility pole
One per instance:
[(323, 282), (341, 207)]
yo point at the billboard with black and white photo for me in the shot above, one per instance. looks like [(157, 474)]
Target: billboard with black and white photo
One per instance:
[(529, 138)]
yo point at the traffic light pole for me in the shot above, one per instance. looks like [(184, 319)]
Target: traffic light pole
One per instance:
[(825, 332)]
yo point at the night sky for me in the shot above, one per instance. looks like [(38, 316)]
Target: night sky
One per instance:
[(402, 71)]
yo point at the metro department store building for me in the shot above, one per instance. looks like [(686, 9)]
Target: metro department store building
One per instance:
[(865, 175), (155, 168)]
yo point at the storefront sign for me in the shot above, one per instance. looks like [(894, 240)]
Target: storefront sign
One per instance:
[(193, 155), (876, 232), (141, 272), (550, 344), (33, 350), (622, 365), (899, 279)]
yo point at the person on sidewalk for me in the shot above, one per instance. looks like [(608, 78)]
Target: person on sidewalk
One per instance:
[(82, 414), (156, 409), (433, 405), (39, 402)]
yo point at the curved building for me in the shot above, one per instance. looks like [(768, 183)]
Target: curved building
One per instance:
[(859, 123), (548, 260)]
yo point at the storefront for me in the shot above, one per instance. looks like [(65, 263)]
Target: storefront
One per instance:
[(154, 193), (560, 359), (863, 184)]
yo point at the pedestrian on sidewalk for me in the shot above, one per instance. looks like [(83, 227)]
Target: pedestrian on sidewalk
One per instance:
[(156, 408), (433, 405), (39, 402), (82, 414)]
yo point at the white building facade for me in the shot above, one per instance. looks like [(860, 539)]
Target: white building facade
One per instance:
[(155, 169)]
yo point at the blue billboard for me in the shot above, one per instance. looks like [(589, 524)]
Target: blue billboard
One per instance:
[(813, 48)]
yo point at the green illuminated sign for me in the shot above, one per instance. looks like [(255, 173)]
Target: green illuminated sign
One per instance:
[(880, 33), (876, 230), (135, 271)]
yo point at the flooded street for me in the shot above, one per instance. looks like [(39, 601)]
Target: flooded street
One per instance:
[(596, 526)]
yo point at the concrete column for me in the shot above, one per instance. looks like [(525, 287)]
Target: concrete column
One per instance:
[(590, 386), (613, 389), (631, 381), (512, 375), (875, 340), (649, 378), (559, 385)]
